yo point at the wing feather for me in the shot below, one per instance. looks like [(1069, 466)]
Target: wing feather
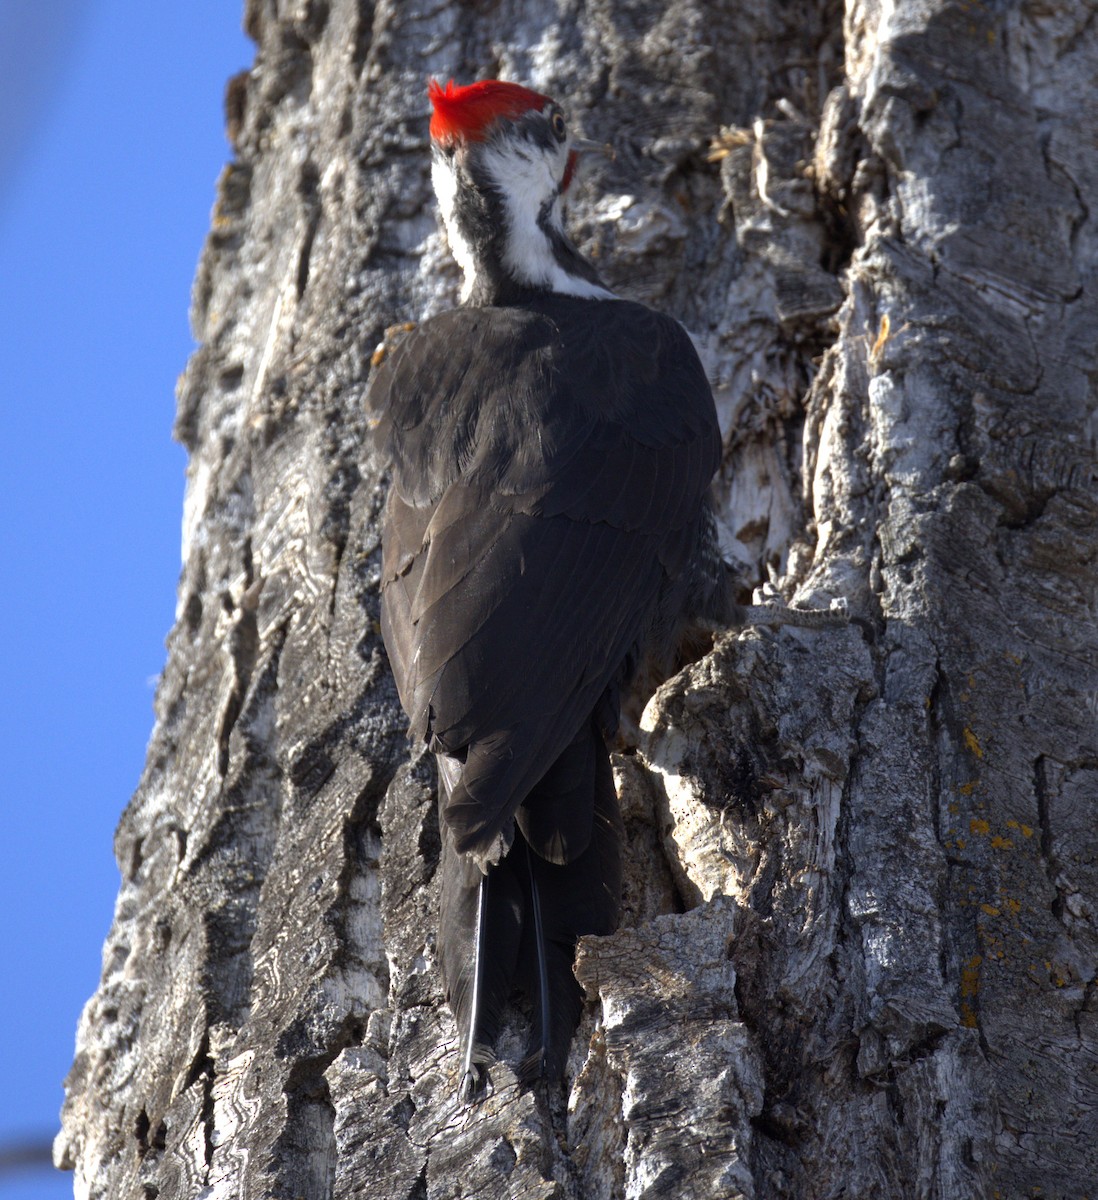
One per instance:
[(546, 481)]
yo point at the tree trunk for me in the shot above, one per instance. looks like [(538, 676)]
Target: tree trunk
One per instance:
[(859, 944)]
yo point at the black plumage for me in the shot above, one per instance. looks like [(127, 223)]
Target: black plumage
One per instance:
[(544, 533)]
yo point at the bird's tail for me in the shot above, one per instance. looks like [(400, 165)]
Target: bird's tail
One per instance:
[(480, 932), (518, 924), (480, 936), (564, 902)]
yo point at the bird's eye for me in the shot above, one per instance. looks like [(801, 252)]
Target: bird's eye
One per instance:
[(556, 122)]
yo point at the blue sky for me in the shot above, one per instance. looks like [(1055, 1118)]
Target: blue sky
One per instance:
[(111, 140)]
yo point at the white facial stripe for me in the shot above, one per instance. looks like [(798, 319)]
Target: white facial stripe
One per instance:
[(525, 178), (445, 183)]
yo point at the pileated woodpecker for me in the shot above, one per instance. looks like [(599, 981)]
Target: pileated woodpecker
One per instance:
[(548, 535)]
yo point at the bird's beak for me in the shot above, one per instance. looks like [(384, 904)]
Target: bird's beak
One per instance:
[(582, 144)]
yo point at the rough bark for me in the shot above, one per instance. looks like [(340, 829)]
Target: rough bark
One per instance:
[(859, 948)]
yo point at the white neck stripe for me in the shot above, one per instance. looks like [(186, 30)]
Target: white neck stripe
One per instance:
[(524, 181)]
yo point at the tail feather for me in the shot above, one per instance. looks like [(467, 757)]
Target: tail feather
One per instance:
[(564, 903), (518, 923), (480, 931), (542, 975)]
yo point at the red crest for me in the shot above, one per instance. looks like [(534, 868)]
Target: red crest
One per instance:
[(468, 113)]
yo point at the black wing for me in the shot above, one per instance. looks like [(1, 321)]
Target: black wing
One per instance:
[(550, 467)]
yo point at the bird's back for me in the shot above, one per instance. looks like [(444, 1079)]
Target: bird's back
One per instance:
[(550, 461)]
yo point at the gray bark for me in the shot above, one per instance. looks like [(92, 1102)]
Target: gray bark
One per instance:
[(859, 947)]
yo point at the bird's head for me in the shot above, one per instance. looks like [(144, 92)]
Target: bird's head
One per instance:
[(502, 157)]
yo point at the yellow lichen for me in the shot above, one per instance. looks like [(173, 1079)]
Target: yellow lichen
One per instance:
[(970, 976), (726, 141), (973, 743)]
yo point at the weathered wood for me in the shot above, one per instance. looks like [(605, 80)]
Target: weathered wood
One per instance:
[(859, 948)]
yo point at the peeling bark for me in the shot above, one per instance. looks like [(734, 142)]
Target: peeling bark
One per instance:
[(859, 949)]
